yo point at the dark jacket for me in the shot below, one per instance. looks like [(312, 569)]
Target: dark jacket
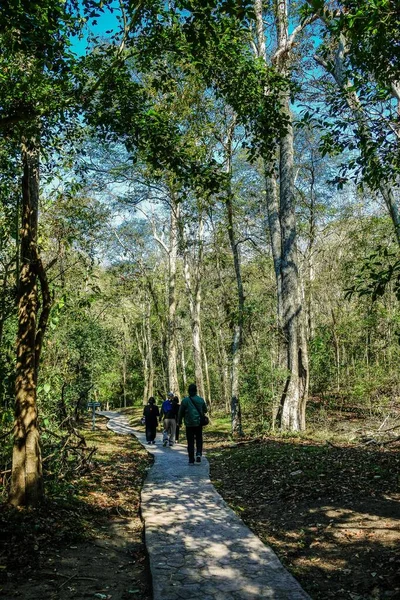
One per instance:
[(151, 413), (188, 411)]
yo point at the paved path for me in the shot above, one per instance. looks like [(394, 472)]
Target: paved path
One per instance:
[(198, 548)]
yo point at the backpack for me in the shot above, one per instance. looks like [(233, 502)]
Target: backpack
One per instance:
[(167, 408)]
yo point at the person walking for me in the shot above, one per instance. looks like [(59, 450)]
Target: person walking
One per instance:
[(151, 414), (169, 412), (176, 402), (193, 408)]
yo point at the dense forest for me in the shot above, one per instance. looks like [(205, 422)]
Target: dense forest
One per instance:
[(195, 191)]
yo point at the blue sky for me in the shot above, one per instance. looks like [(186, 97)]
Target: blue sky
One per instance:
[(96, 27)]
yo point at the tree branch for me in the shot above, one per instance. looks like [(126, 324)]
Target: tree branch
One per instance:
[(285, 49)]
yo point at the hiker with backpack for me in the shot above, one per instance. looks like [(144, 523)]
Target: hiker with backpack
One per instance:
[(150, 415), (176, 401), (193, 411), (169, 412)]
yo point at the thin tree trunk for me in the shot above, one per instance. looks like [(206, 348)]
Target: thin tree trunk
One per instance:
[(238, 319), (194, 294), (183, 364), (124, 379), (310, 251), (173, 382), (141, 344), (274, 225), (223, 369), (195, 307), (149, 346), (208, 395), (336, 69), (336, 342), (26, 477), (124, 360)]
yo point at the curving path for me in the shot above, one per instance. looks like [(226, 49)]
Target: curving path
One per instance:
[(198, 547)]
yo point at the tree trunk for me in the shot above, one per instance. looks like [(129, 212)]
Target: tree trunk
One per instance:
[(238, 316), (124, 360), (183, 363), (223, 368), (294, 397), (336, 343), (149, 348), (26, 477), (141, 344), (208, 395), (274, 225), (173, 382), (195, 308), (282, 224), (124, 379)]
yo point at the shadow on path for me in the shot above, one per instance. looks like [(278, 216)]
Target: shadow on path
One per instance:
[(198, 547)]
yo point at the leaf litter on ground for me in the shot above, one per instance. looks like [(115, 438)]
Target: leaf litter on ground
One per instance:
[(87, 538), (330, 512)]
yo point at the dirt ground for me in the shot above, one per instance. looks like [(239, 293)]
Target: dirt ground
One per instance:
[(88, 541), (331, 513)]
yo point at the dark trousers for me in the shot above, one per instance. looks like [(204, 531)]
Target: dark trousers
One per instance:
[(151, 431), (192, 434), (177, 434)]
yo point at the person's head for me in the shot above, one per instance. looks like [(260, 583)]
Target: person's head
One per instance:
[(152, 400), (192, 389), (176, 400), (170, 395)]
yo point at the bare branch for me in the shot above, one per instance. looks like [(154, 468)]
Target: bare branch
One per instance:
[(291, 41)]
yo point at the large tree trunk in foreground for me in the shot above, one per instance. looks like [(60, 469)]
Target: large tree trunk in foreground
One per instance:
[(26, 478), (294, 397), (282, 224)]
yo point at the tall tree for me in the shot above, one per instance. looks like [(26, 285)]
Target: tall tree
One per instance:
[(360, 54), (282, 223), (192, 238), (37, 97)]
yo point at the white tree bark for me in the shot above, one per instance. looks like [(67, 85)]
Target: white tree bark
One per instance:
[(237, 324), (192, 272), (282, 225), (173, 382), (207, 395)]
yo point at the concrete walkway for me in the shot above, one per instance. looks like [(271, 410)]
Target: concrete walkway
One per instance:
[(198, 547)]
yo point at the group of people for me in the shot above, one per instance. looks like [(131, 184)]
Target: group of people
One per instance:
[(172, 415)]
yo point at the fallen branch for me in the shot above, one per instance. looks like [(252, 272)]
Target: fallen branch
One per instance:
[(328, 443), (242, 443), (396, 439), (391, 428)]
